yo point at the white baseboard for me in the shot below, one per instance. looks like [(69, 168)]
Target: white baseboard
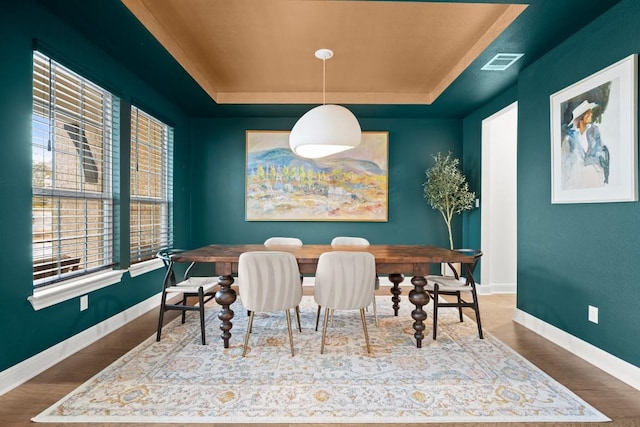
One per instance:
[(497, 288), (612, 365), (27, 369)]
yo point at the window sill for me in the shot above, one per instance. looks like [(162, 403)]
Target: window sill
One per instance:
[(145, 266), (69, 289)]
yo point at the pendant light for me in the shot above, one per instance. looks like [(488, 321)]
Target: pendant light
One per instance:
[(326, 129)]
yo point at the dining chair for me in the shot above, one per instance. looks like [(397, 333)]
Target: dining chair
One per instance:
[(269, 281), (202, 288), (287, 241), (335, 270), (283, 241), (456, 286), (354, 241)]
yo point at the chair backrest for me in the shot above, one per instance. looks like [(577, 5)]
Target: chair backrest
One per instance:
[(476, 253), (349, 241), (345, 280), (283, 241), (165, 255), (466, 268), (269, 281)]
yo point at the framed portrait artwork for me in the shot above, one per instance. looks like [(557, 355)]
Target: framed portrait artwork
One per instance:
[(594, 137), (347, 186)]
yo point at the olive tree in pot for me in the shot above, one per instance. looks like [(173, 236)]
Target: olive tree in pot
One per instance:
[(447, 190)]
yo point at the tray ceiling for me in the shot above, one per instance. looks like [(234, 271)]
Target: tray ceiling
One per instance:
[(262, 52)]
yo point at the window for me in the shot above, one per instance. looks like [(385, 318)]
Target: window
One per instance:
[(151, 222), (72, 141)]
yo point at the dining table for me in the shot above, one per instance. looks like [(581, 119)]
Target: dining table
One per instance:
[(392, 260)]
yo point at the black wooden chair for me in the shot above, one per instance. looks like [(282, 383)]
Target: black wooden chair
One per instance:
[(456, 286), (202, 288)]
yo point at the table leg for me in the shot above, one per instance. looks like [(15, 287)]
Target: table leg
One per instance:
[(225, 296), (419, 297), (396, 279)]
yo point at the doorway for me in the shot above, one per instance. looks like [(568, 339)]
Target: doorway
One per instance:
[(499, 191)]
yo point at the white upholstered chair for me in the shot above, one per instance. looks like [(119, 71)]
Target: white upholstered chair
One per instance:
[(269, 281), (202, 288), (345, 281), (354, 241), (283, 241), (287, 241), (456, 286), (349, 241)]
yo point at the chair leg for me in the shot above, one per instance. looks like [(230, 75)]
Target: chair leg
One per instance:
[(435, 309), (459, 306), (201, 306), (290, 332), (476, 308), (163, 304), (375, 311), (324, 329), (318, 317), (298, 318), (364, 327), (246, 337), (184, 304)]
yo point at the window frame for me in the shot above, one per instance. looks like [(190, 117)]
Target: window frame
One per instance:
[(159, 144), (59, 113)]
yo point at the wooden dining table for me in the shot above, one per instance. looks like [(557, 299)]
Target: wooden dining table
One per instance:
[(395, 261)]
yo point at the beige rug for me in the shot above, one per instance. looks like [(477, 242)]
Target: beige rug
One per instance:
[(458, 378)]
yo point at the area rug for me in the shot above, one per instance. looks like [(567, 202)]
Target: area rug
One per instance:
[(458, 378)]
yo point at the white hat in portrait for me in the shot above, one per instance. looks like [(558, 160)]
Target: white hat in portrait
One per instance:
[(581, 109)]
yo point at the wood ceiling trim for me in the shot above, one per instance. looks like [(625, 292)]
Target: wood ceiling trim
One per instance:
[(374, 98)]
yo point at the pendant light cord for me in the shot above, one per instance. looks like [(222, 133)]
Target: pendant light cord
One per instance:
[(324, 54), (324, 82)]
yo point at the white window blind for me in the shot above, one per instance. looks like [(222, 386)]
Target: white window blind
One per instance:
[(151, 221), (73, 126)]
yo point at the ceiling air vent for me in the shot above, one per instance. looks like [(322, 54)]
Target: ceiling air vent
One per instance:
[(502, 61)]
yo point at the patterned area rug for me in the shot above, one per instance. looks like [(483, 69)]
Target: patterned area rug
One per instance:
[(458, 378)]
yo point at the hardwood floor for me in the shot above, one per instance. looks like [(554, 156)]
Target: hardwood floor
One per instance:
[(614, 398)]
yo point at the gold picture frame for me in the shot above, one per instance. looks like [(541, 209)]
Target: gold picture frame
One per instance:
[(348, 186)]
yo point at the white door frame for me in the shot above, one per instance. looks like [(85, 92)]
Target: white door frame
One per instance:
[(498, 219)]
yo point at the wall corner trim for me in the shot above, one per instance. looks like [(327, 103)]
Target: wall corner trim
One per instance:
[(622, 370)]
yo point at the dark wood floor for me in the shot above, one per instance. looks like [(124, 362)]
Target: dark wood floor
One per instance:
[(617, 400)]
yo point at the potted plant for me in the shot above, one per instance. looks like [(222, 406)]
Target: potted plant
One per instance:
[(447, 190)]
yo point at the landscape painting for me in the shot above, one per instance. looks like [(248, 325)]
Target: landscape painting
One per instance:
[(348, 186)]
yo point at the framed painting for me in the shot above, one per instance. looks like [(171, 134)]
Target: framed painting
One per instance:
[(347, 186), (594, 137)]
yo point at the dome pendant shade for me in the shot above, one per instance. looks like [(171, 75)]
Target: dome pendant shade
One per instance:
[(325, 130)]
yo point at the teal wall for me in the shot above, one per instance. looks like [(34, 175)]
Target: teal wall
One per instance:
[(26, 332), (219, 186), (574, 255)]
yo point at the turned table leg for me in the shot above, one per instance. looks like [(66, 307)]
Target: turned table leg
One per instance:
[(396, 279), (419, 297), (225, 296)]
